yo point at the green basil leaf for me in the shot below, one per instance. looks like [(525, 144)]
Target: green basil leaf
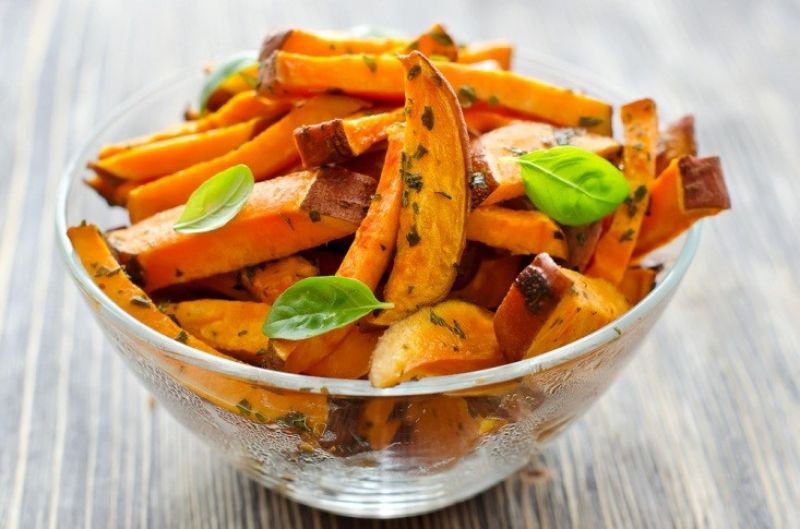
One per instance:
[(316, 305), (571, 185), (216, 201), (230, 66)]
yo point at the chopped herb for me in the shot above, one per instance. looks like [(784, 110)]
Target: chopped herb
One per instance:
[(493, 101), (580, 237), (618, 331), (259, 417), (445, 195), (404, 199), (478, 180), (369, 60), (436, 319), (178, 272), (420, 152), (467, 96), (589, 121), (415, 207), (627, 235), (413, 72), (140, 301), (383, 246), (437, 79), (427, 118), (314, 215), (244, 407), (242, 332), (182, 336), (412, 236), (410, 289), (297, 420), (285, 218), (457, 330), (558, 321), (103, 271), (516, 151), (413, 180), (442, 38), (640, 193)]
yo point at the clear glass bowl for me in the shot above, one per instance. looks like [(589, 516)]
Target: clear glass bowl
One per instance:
[(342, 445)]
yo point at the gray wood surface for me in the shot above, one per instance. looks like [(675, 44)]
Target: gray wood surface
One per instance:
[(703, 430)]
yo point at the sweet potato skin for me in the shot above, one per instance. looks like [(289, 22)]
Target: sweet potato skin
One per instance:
[(287, 73), (676, 140), (688, 190), (167, 257), (340, 193), (450, 337), (550, 306), (520, 232), (339, 140), (525, 136), (277, 140), (435, 165)]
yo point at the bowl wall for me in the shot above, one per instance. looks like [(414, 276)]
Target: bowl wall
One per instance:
[(341, 445)]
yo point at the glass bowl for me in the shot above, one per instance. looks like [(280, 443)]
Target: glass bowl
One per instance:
[(342, 445)]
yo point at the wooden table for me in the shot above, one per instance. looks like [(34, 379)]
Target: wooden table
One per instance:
[(703, 429)]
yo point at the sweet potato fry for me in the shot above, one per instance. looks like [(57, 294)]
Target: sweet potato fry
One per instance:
[(491, 281), (350, 358), (113, 190), (242, 107), (442, 429), (339, 140), (637, 283), (688, 190), (480, 121), (285, 73), (292, 209), (159, 158), (267, 281), (435, 43), (498, 51), (434, 165), (233, 395), (265, 155), (524, 136), (616, 244), (230, 326), (676, 140), (370, 252), (520, 232), (582, 242), (549, 306), (324, 44), (379, 422), (450, 337)]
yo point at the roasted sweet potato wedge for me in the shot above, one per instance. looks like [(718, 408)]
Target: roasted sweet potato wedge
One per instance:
[(616, 244), (380, 421), (442, 429), (688, 190), (266, 155), (339, 140), (549, 306), (284, 73), (294, 210), (676, 140), (450, 337), (480, 121), (582, 242), (498, 51), (235, 396), (524, 136), (350, 358), (433, 213), (230, 326), (159, 158), (520, 232), (324, 44)]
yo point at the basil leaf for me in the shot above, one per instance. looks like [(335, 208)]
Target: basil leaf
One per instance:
[(216, 201), (316, 305), (571, 185), (221, 72)]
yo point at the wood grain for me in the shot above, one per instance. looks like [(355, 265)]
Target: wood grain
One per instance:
[(703, 429)]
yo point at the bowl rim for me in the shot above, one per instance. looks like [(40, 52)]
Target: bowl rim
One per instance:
[(362, 388)]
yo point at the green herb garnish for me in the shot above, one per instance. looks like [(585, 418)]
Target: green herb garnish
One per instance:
[(216, 201), (316, 305), (233, 65), (427, 118), (571, 185)]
